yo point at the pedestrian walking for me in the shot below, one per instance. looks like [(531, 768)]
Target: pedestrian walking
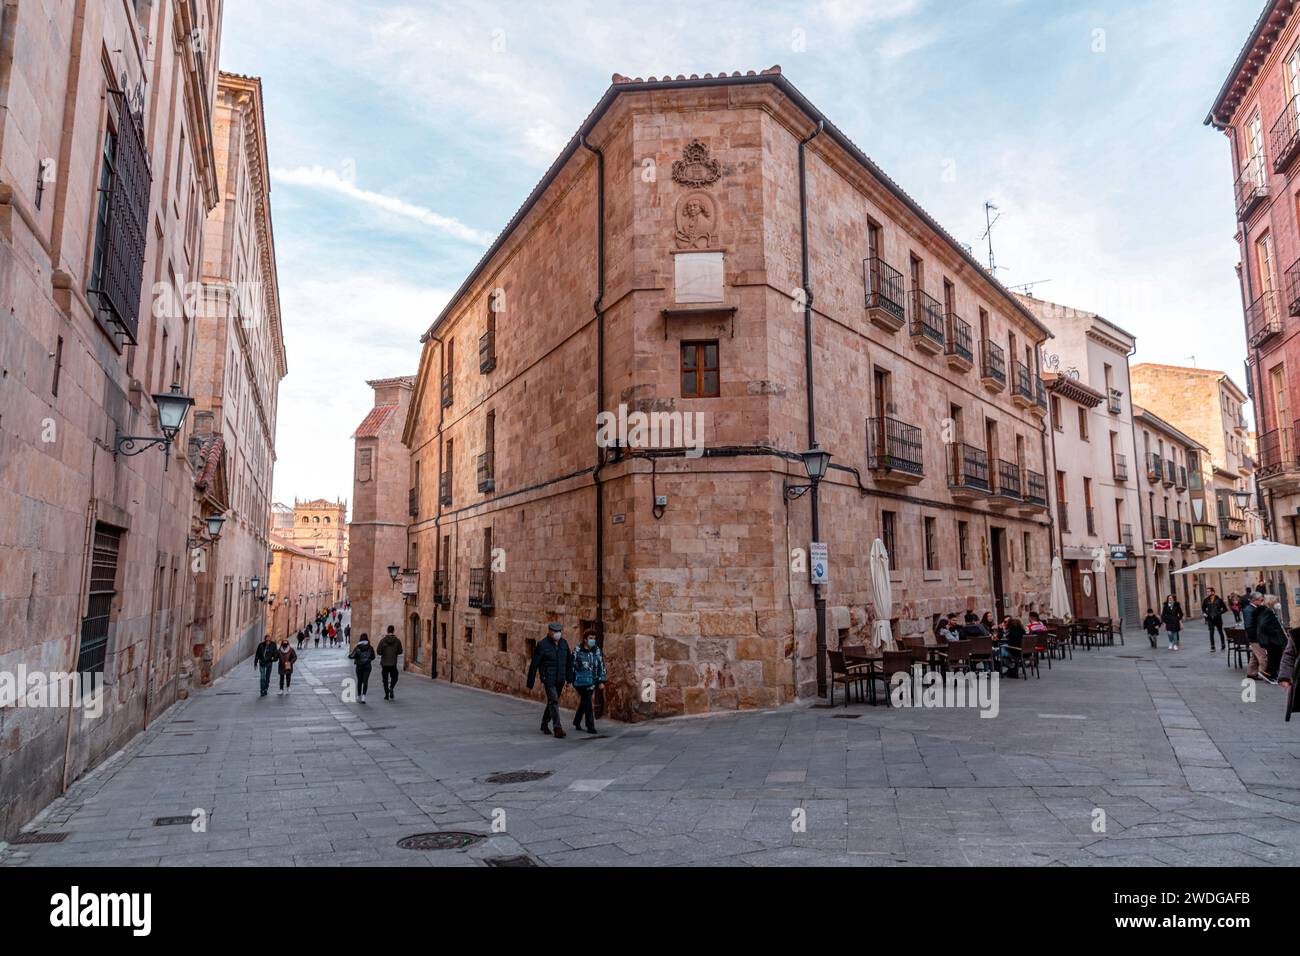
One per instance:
[(347, 633), (331, 632), (390, 649), (1171, 615), (1234, 602), (302, 636), (551, 662), (264, 659), (1286, 675), (318, 634), (1258, 654), (1151, 623), (586, 673), (1272, 636), (287, 657), (363, 656), (1213, 609)]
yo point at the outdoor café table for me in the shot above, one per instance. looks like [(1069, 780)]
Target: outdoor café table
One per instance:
[(855, 657)]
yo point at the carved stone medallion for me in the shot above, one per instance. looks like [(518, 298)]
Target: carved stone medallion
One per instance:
[(695, 221)]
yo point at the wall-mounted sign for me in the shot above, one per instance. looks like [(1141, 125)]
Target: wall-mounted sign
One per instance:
[(1162, 544), (819, 569), (1118, 552), (410, 582)]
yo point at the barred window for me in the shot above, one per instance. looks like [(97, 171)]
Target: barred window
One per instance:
[(99, 608)]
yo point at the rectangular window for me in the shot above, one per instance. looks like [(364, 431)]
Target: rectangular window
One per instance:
[(99, 608), (502, 642), (1083, 424), (931, 556), (887, 536), (700, 370), (469, 635), (1027, 547), (58, 366), (1057, 421), (963, 545)]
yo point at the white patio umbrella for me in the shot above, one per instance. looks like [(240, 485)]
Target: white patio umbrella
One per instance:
[(1060, 593), (1261, 555), (881, 635)]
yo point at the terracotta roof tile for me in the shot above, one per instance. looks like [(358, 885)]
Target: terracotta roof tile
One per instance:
[(210, 454), (374, 420)]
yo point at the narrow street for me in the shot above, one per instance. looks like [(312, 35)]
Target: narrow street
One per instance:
[(1185, 772)]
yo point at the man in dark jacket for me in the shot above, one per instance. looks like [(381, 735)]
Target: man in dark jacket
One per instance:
[(264, 658), (389, 649), (1213, 608), (551, 661), (1286, 675), (1272, 637), (1250, 622), (363, 655)]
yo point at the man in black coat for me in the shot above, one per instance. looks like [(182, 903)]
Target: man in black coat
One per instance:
[(1250, 622), (1272, 637), (1213, 609), (551, 661)]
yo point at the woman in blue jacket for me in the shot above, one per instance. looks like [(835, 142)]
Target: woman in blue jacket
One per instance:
[(586, 673)]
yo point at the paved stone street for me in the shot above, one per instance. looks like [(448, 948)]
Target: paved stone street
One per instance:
[(1186, 773)]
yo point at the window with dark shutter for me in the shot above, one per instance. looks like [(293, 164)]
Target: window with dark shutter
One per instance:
[(122, 214), (99, 608), (700, 369)]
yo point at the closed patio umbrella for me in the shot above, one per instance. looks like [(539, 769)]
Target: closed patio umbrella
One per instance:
[(881, 634), (1060, 593)]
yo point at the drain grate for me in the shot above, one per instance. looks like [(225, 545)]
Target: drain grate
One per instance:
[(445, 840), (846, 716), (595, 737), (25, 838), (510, 861), (172, 821), (518, 776)]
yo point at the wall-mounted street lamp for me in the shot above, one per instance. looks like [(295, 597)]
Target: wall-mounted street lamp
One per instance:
[(213, 524), (815, 462), (172, 408), (393, 572), (254, 583), (269, 600)]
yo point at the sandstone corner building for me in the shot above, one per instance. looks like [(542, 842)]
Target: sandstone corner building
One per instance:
[(716, 248)]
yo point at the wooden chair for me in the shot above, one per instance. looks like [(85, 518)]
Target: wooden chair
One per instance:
[(981, 652), (1026, 656), (847, 674), (958, 655), (1238, 646), (894, 662), (1059, 640)]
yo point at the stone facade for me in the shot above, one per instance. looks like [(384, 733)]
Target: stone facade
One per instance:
[(238, 364), (301, 582), (383, 496), (1258, 112), (94, 567), (705, 598), (320, 526)]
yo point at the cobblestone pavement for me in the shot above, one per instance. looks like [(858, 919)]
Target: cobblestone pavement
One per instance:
[(1162, 742)]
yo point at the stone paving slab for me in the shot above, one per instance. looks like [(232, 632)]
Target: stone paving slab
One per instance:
[(1185, 771)]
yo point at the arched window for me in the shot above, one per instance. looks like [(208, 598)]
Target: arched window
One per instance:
[(327, 519), (305, 519), (316, 520)]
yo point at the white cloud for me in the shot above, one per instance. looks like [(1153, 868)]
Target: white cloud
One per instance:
[(318, 177)]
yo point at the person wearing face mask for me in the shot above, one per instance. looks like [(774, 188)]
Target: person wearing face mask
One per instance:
[(550, 660), (586, 672)]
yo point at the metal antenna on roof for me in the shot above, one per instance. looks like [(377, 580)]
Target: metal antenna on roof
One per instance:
[(1192, 359), (1028, 286), (988, 231)]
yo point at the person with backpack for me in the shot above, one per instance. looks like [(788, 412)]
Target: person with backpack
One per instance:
[(1151, 624), (1171, 615), (551, 662), (264, 658), (586, 672), (287, 657), (390, 649), (363, 656)]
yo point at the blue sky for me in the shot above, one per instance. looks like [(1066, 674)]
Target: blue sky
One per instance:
[(403, 136)]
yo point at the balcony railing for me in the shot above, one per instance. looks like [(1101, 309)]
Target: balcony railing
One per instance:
[(413, 502), (1176, 531), (1007, 480), (1155, 467), (441, 588), (884, 293), (1040, 393), (1251, 186), (1035, 488), (1231, 527), (444, 488), (1120, 467), (1063, 516), (927, 321), (487, 351), (480, 588), (993, 364), (446, 389), (1181, 483), (1162, 526), (1277, 452), (893, 445), (1023, 387), (1284, 137), (960, 347), (1291, 282), (1263, 319), (1126, 536), (1115, 401), (968, 467), (1171, 472), (486, 469)]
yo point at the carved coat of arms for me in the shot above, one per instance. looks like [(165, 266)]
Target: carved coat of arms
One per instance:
[(696, 168)]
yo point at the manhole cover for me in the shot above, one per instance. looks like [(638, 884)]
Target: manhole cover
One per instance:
[(510, 861), (172, 821), (518, 776), (24, 838), (846, 716), (447, 840)]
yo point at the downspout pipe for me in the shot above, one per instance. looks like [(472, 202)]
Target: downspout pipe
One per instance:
[(437, 529), (598, 309), (819, 590)]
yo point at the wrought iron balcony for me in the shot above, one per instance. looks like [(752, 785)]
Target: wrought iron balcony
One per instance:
[(1022, 388), (1035, 489), (486, 481), (1187, 534), (1155, 467), (884, 293), (960, 350), (1284, 137), (487, 351), (1263, 319), (927, 321), (1006, 480), (1126, 536), (1181, 483), (894, 450), (446, 389), (1232, 527), (441, 588), (1115, 401), (968, 470), (993, 365), (1119, 467), (444, 488), (1040, 395), (1251, 187), (1277, 452), (480, 588), (1171, 473), (413, 502), (1291, 282)]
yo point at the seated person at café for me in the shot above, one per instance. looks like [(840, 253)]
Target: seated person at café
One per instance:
[(1036, 625), (973, 627), (1014, 632), (949, 629)]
